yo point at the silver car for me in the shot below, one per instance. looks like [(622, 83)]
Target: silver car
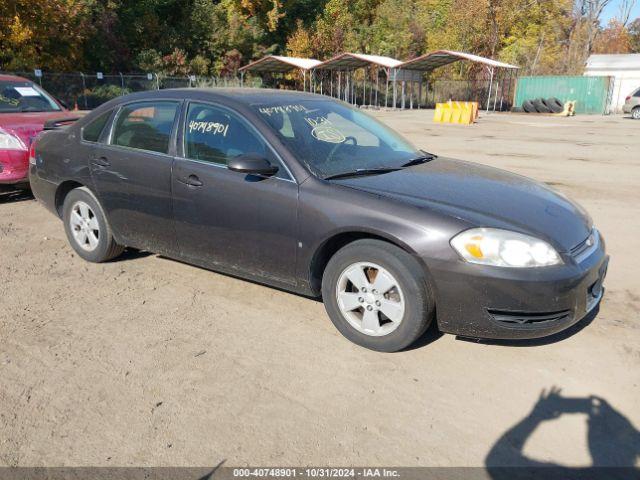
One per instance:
[(632, 104)]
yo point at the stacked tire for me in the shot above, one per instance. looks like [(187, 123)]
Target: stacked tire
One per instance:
[(543, 105)]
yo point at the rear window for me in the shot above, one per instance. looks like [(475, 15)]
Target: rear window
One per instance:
[(24, 96), (92, 131), (637, 94), (145, 126)]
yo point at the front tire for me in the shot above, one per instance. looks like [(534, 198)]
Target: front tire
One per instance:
[(377, 295), (635, 113), (87, 228)]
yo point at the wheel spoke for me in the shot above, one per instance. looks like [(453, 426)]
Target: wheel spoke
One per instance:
[(393, 310), (349, 301), (357, 277), (76, 219), (93, 224), (84, 210), (82, 237), (370, 321), (383, 282), (93, 240)]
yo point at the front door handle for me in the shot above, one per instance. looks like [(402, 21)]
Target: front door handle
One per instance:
[(194, 181), (101, 162)]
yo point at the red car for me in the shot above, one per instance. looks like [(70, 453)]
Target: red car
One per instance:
[(24, 108)]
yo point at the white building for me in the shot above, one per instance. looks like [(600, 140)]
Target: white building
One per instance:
[(625, 70)]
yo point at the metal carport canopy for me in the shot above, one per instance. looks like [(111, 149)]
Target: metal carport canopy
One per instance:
[(439, 58), (276, 63), (352, 61)]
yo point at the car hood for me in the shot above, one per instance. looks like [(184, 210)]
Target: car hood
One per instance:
[(484, 197), (27, 125)]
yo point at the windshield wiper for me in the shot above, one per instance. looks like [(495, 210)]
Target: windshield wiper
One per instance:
[(362, 171), (421, 159)]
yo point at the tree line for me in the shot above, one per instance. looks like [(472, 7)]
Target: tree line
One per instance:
[(208, 37)]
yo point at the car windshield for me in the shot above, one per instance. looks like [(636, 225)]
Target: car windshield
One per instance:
[(24, 96), (332, 138)]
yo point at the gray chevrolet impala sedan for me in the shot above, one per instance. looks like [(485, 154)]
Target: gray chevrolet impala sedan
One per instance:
[(305, 193)]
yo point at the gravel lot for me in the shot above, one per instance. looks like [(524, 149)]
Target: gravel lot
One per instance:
[(146, 361)]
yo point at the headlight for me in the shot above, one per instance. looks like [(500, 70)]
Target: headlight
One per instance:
[(10, 142), (502, 248)]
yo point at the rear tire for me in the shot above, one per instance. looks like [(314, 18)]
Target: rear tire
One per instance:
[(387, 280), (635, 113), (87, 228)]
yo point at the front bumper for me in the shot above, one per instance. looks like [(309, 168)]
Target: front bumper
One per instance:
[(501, 303), (14, 167)]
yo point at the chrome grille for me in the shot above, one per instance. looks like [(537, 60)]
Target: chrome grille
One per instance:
[(586, 247)]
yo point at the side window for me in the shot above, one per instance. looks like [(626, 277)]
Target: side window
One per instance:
[(637, 94), (215, 135), (145, 126), (92, 131)]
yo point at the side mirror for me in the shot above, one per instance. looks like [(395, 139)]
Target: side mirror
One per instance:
[(252, 164)]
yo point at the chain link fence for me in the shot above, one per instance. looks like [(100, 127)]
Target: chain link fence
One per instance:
[(86, 92), (494, 94)]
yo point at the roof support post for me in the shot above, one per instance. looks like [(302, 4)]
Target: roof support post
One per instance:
[(490, 86), (403, 91), (331, 82), (364, 86), (377, 84), (386, 90), (395, 88), (411, 84)]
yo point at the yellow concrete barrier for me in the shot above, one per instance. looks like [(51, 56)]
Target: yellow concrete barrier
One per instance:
[(464, 113)]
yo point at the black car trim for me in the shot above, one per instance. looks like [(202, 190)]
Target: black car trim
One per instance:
[(171, 149), (105, 131), (527, 319)]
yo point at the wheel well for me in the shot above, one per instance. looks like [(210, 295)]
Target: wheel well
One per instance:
[(63, 189), (330, 247)]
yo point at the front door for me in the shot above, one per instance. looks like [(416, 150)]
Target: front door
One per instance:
[(132, 175), (240, 223)]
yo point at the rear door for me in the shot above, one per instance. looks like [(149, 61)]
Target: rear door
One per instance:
[(132, 174), (224, 219)]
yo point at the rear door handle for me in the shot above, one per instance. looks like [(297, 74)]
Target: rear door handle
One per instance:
[(101, 162), (194, 181)]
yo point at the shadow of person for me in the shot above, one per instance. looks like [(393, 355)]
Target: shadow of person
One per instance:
[(614, 443)]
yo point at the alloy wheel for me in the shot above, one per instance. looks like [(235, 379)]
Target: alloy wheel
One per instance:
[(370, 299), (84, 226)]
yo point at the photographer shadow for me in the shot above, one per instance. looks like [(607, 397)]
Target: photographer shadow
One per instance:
[(614, 443)]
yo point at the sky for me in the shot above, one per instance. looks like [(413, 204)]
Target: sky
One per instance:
[(613, 8)]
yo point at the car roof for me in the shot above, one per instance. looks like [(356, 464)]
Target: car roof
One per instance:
[(12, 78), (243, 96)]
